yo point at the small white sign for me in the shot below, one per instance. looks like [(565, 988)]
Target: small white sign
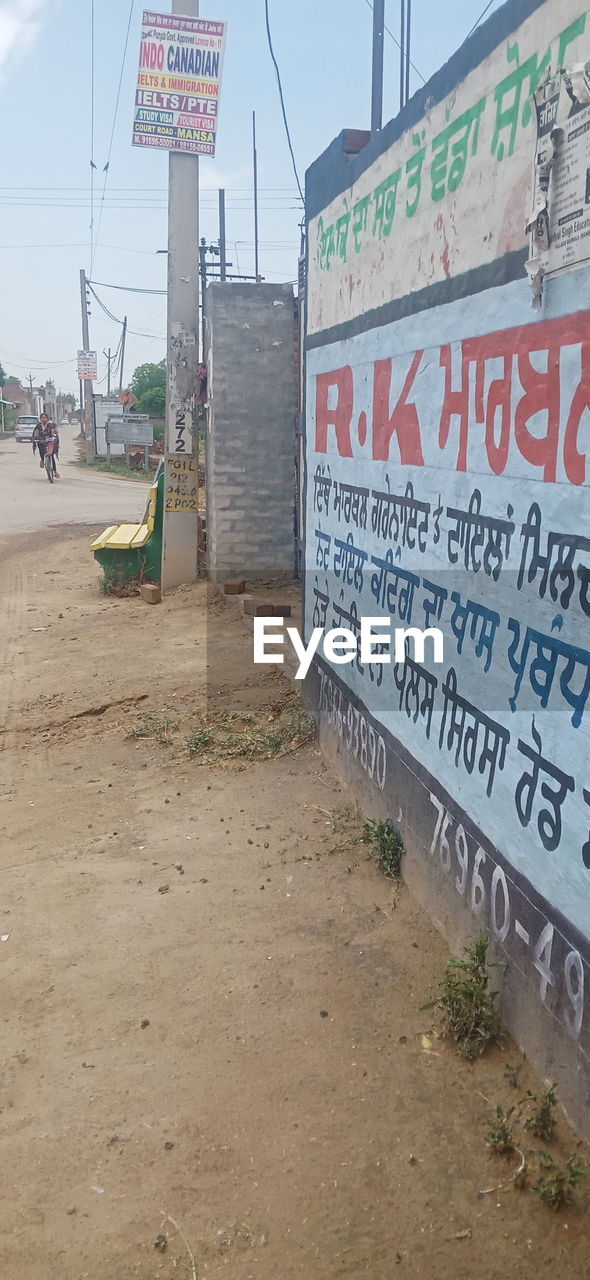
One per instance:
[(87, 371)]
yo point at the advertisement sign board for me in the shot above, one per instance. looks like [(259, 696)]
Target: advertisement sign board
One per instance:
[(87, 366), (178, 83)]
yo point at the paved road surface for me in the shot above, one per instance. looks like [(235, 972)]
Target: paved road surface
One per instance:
[(28, 502)]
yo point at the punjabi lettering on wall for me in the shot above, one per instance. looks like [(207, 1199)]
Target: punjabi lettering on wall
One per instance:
[(431, 192), (447, 486)]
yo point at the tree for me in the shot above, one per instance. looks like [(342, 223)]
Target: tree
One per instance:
[(147, 377), (153, 402), (2, 375)]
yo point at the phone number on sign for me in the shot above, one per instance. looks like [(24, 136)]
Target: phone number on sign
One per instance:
[(485, 886), (354, 730)]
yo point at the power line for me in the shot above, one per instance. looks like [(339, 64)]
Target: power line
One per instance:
[(136, 332), (103, 306), (482, 15), (106, 168), (39, 365), (69, 245), (285, 121), (396, 41), (161, 190), (240, 206), (126, 288)]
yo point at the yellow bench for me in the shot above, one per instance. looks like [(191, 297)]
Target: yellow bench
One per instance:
[(128, 550), (125, 537)]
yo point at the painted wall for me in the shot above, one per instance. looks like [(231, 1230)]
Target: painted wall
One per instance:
[(251, 430), (447, 438)]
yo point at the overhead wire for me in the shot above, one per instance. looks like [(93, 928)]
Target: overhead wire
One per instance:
[(116, 111), (396, 41), (43, 187), (281, 97), (32, 363), (115, 319), (127, 288), (481, 16)]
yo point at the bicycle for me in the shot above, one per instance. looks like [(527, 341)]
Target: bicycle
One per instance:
[(49, 461)]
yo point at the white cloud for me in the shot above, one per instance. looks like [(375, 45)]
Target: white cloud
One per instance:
[(18, 27)]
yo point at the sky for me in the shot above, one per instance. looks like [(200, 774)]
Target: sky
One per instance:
[(324, 51)]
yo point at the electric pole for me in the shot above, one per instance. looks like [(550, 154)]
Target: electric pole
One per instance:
[(88, 414), (222, 242), (405, 49), (204, 249), (122, 364), (255, 168), (377, 76), (179, 555), (108, 356)]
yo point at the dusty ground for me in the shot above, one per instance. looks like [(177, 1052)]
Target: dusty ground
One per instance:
[(210, 1000)]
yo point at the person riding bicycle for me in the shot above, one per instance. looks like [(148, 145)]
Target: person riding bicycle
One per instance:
[(42, 434)]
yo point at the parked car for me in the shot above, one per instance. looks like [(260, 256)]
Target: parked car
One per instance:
[(25, 425)]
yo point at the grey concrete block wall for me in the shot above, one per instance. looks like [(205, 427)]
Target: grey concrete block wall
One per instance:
[(250, 429)]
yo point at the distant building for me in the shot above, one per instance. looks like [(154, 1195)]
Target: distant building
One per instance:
[(32, 400)]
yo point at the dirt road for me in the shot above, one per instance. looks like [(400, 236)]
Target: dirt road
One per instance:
[(28, 501), (214, 1060)]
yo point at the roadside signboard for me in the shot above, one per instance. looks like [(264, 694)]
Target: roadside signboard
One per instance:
[(178, 83), (87, 366), (133, 428)]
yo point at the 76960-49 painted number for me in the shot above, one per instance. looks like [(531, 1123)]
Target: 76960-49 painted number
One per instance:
[(491, 896)]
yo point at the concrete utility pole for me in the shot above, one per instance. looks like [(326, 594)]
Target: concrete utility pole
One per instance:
[(255, 173), (377, 77), (122, 364), (179, 555), (88, 414), (222, 240)]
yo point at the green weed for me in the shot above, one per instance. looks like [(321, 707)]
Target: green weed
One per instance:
[(288, 731), (499, 1131), (541, 1120), (557, 1185), (117, 469), (512, 1071), (386, 845), (198, 741), (465, 1002)]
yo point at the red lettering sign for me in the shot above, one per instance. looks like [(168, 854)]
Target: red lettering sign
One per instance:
[(403, 422), (338, 417)]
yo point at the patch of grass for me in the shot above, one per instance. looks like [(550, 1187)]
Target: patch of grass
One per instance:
[(386, 845), (557, 1185), (499, 1135), (157, 725), (541, 1120), (286, 732), (117, 469), (466, 1003), (197, 742)]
